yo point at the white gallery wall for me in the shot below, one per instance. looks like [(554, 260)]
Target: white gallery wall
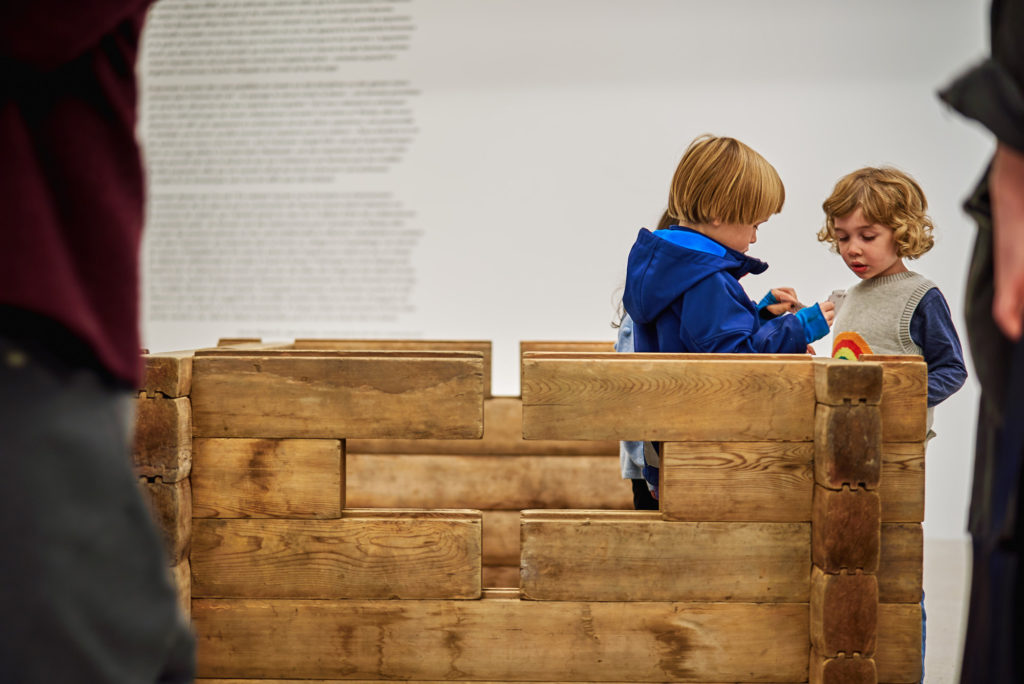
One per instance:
[(478, 169)]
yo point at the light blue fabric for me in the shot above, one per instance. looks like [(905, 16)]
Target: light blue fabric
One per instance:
[(631, 454)]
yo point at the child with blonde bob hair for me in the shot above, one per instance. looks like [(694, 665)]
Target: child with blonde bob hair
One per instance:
[(874, 219), (682, 282)]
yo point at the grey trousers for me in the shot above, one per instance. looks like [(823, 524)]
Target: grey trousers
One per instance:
[(85, 592)]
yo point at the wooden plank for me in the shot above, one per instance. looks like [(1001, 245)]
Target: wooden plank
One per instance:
[(637, 556), (901, 564), (365, 554), (168, 374), (845, 670), (737, 481), (904, 397), (170, 504), (898, 654), (838, 382), (268, 478), (848, 445), (564, 346), (181, 580), (501, 576), (773, 481), (902, 486), (162, 445), (205, 680), (486, 482), (667, 397), (844, 613), (503, 434), (483, 347), (501, 538), (293, 394), (502, 639), (846, 530)]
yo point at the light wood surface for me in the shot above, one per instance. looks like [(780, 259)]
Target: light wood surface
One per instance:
[(481, 346), (365, 554), (502, 639), (773, 481), (904, 397), (322, 394), (486, 482), (637, 556), (167, 374), (667, 397), (737, 481), (503, 434), (268, 478)]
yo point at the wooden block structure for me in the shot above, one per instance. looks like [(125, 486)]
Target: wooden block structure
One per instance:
[(342, 494)]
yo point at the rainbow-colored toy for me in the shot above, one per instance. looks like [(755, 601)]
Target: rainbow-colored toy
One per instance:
[(849, 346)]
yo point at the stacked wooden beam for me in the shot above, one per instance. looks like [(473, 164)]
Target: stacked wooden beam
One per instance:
[(751, 572), (744, 440)]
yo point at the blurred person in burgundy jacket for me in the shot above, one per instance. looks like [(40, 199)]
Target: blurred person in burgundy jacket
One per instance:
[(84, 583)]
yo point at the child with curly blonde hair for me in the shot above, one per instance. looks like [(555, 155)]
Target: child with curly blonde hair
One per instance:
[(874, 219)]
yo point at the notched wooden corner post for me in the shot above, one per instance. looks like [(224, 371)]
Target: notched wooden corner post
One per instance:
[(845, 522), (162, 457)]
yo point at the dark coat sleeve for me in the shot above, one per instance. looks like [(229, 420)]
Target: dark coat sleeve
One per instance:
[(992, 92)]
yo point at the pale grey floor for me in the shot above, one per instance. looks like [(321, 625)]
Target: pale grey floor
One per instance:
[(946, 583)]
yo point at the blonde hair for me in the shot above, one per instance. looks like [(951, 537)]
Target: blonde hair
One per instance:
[(886, 196), (723, 179)]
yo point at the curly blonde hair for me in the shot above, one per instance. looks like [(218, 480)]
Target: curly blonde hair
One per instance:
[(886, 196)]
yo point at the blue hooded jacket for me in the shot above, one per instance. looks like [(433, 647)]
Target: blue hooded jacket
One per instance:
[(683, 294)]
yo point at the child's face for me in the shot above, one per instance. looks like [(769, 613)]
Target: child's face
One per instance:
[(738, 236), (868, 249)]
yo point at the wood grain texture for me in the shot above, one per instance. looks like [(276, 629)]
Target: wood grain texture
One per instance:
[(321, 394), (737, 481), (904, 402), (898, 654), (846, 530), (170, 504), (366, 554), (502, 639), (482, 347), (501, 538), (486, 482), (845, 670), (838, 382), (501, 576), (563, 346), (503, 434), (901, 565), (637, 556), (667, 397), (844, 613), (902, 486), (181, 580), (773, 481), (167, 374), (162, 445), (205, 680), (848, 444), (268, 478)]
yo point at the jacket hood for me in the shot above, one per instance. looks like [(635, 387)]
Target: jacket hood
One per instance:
[(665, 264)]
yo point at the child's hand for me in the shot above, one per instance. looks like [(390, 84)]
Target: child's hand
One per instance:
[(828, 310), (787, 301)]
